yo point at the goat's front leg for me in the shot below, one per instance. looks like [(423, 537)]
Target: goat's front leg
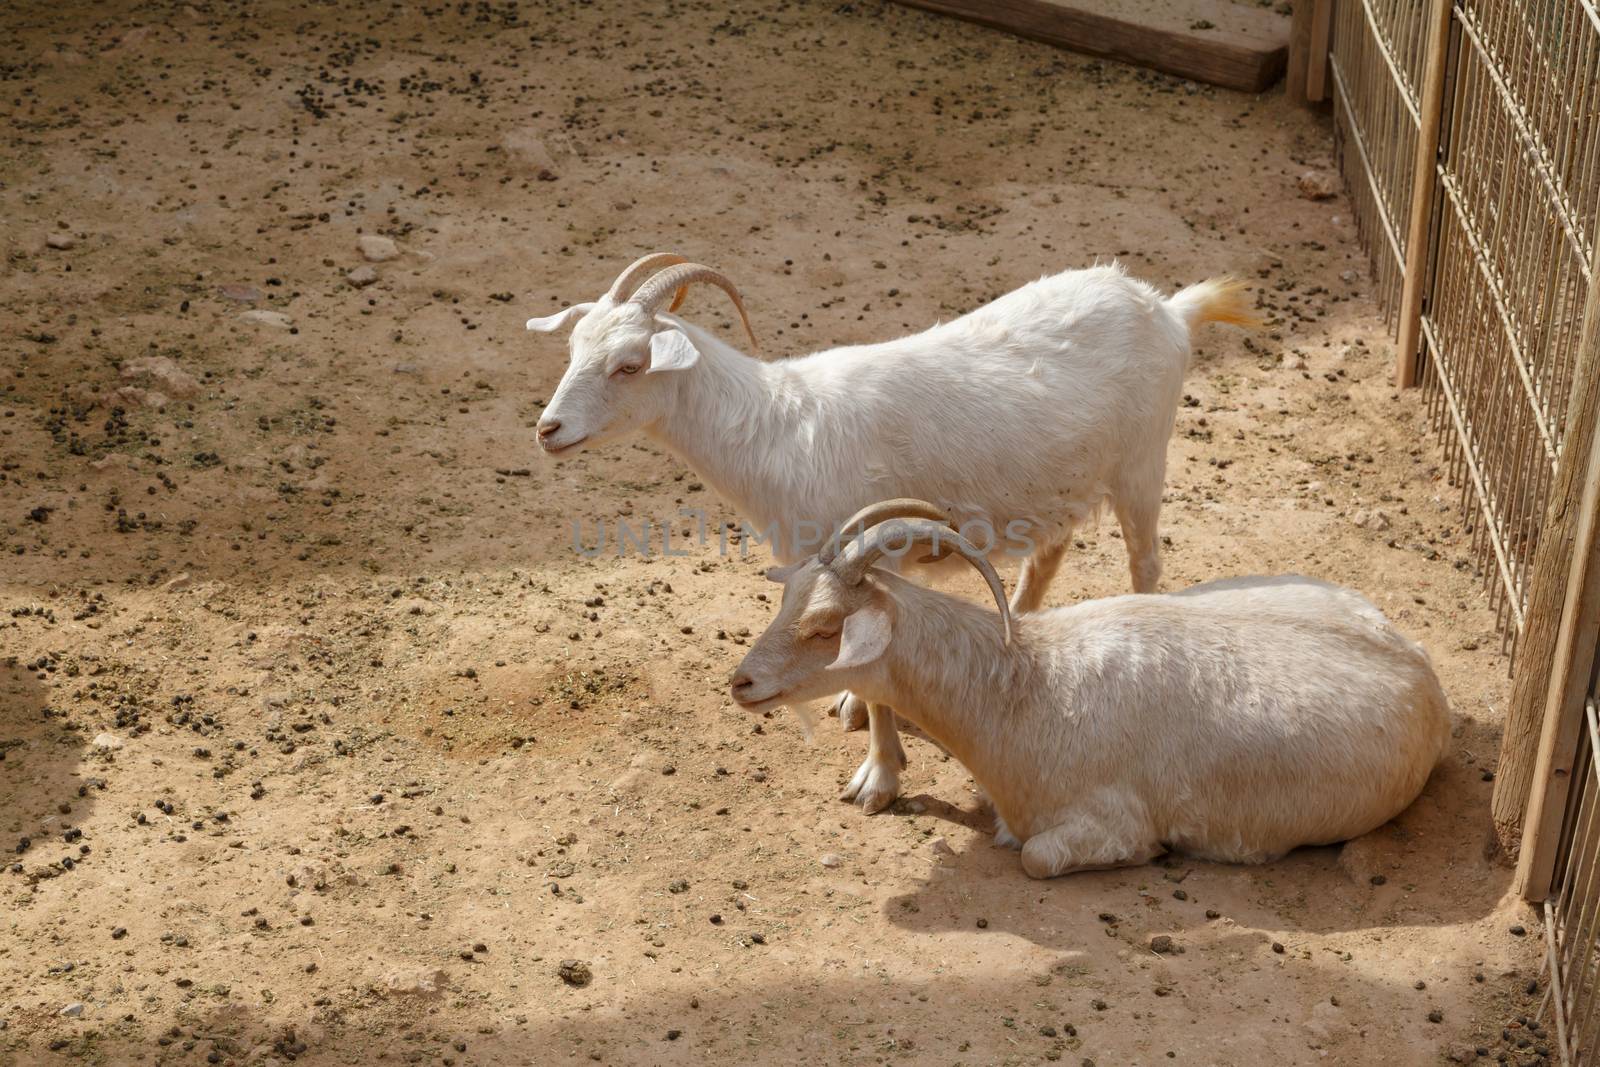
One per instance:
[(851, 710), (1110, 830), (877, 782)]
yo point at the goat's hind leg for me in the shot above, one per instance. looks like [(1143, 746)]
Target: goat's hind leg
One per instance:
[(877, 782), (1140, 520), (1095, 840), (1037, 572)]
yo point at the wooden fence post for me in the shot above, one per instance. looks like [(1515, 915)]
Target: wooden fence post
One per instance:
[(1423, 184), (1557, 643)]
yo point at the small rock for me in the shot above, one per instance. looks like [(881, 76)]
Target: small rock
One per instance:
[(1161, 943), (526, 152), (261, 317), (61, 242), (941, 847), (180, 583), (362, 277), (161, 373), (1318, 185), (423, 983), (1375, 520), (107, 742), (831, 860), (377, 249), (575, 972), (71, 1011)]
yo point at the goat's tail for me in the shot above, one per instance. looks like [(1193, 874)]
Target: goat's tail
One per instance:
[(1215, 300)]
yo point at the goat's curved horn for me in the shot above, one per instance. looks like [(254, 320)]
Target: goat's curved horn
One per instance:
[(676, 280), (630, 280), (851, 566), (872, 514)]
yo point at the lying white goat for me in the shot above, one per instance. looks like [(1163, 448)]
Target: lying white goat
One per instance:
[(1026, 414), (1233, 721)]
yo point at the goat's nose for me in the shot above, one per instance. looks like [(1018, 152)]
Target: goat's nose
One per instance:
[(547, 427), (741, 681)]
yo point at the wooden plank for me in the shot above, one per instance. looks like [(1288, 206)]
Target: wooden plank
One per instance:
[(1236, 46), (1544, 722), (1423, 184), (1321, 44)]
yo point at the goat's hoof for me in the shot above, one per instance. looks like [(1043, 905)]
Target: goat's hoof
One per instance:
[(874, 787), (851, 710)]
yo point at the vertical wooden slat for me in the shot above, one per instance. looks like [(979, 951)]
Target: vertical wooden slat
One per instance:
[(1294, 75), (1423, 184), (1317, 54), (1545, 716)]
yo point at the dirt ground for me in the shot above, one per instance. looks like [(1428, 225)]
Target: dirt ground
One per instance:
[(321, 743)]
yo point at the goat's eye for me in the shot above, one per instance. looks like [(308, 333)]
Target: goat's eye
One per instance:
[(823, 635), (626, 368)]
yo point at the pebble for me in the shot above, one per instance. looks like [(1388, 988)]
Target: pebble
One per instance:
[(1376, 519), (415, 983), (575, 972), (107, 742), (362, 276), (261, 317), (1161, 943), (525, 152), (1318, 185), (61, 242), (160, 372), (831, 860), (72, 1011), (376, 249)]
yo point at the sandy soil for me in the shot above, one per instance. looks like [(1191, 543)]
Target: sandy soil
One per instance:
[(320, 741)]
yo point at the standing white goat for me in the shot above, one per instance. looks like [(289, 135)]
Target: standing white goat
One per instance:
[(1028, 413), (1233, 721)]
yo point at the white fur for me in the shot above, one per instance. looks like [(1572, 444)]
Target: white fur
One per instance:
[(1233, 721), (1036, 409)]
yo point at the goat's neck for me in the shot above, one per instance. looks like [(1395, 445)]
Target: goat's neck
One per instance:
[(745, 427), (949, 670)]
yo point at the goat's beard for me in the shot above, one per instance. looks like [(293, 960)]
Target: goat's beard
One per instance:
[(805, 711)]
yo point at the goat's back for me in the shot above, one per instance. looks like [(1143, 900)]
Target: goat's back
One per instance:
[(1037, 405), (1250, 715)]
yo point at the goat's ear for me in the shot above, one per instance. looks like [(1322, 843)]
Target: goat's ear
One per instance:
[(863, 638), (560, 318), (782, 574), (671, 349)]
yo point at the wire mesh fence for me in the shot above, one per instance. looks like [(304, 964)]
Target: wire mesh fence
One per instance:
[(1509, 267), (1377, 62), (1506, 231), (1571, 1005)]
